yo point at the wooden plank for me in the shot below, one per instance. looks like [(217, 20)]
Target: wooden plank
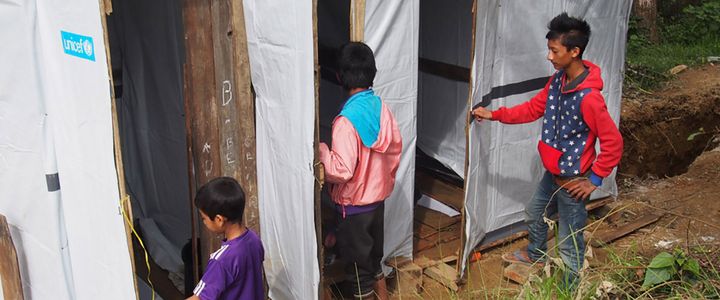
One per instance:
[(603, 238), (246, 172), (444, 70), (434, 219), (442, 191), (441, 250), (357, 20), (124, 201), (200, 93), (317, 166), (463, 217), (519, 273), (9, 268), (444, 274)]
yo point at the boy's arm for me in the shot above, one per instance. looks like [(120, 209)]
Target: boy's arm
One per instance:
[(213, 282), (340, 162), (193, 297), (601, 124), (526, 112)]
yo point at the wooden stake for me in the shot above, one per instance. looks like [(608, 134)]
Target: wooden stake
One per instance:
[(357, 20), (9, 268), (124, 200)]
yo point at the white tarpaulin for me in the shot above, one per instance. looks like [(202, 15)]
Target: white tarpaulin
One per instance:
[(280, 44), (445, 37), (510, 48), (391, 30), (55, 118)]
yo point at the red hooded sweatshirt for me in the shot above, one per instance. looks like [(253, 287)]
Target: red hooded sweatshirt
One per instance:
[(572, 121)]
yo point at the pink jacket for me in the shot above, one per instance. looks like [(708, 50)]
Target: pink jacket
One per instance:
[(360, 175)]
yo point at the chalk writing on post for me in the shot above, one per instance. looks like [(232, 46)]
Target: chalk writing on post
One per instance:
[(226, 92), (229, 153)]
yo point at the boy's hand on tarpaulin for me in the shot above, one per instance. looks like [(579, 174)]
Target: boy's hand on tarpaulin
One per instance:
[(481, 113)]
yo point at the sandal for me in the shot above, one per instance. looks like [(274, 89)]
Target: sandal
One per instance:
[(521, 257)]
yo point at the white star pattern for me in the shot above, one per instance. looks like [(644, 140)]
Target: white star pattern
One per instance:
[(574, 131), (576, 150), (563, 128), (562, 171), (569, 157), (544, 121), (570, 164), (562, 163), (582, 94), (575, 117), (576, 172), (551, 97), (553, 117), (579, 135), (574, 97), (547, 140), (583, 143), (564, 149), (552, 106), (565, 136), (572, 143), (554, 145), (546, 131)]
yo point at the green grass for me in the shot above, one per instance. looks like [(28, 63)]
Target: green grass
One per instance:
[(624, 272), (647, 65)]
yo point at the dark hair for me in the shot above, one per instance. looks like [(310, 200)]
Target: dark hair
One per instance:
[(356, 65), (572, 32), (222, 196)]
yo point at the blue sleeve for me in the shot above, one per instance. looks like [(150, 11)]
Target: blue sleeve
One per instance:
[(595, 179)]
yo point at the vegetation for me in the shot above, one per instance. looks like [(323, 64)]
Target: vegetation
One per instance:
[(688, 35)]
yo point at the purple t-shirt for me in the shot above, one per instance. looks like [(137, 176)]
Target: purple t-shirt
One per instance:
[(234, 271)]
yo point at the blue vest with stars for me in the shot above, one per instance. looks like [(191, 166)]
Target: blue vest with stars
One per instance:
[(563, 126)]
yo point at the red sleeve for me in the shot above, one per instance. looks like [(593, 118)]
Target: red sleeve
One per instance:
[(340, 162), (598, 119), (526, 112)]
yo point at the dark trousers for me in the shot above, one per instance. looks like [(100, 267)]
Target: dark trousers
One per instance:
[(360, 244)]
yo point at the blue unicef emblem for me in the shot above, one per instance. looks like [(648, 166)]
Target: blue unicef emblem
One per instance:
[(78, 45)]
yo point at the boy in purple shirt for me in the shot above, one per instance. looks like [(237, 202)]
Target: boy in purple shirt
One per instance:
[(235, 270)]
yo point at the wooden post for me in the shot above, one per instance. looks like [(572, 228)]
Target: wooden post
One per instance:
[(463, 238), (357, 20), (124, 201), (220, 106), (9, 269), (318, 170), (200, 96), (244, 139)]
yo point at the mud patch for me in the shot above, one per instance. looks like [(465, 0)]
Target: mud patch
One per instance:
[(657, 128)]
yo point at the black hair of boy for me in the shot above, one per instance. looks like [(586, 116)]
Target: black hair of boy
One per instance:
[(356, 64), (572, 32), (222, 196)]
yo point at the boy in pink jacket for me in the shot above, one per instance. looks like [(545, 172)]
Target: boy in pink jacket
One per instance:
[(361, 167)]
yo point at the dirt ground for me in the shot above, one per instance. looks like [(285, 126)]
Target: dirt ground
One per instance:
[(670, 167)]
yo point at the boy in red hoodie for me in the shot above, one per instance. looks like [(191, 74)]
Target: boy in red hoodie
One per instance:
[(361, 167), (574, 117)]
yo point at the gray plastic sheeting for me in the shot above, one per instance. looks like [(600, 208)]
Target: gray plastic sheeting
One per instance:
[(504, 166)]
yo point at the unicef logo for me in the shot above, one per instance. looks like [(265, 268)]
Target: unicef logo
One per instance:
[(88, 47), (78, 45)]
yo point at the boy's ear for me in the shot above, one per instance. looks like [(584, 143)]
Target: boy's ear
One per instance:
[(220, 218), (575, 52)]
